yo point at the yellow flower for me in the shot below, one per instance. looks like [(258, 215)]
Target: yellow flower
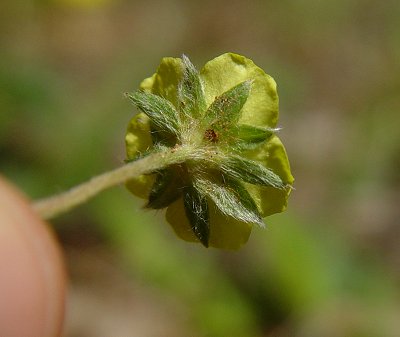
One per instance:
[(227, 113)]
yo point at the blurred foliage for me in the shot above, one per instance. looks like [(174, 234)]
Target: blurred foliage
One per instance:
[(330, 266)]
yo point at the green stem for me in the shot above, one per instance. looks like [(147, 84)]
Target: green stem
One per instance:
[(55, 205)]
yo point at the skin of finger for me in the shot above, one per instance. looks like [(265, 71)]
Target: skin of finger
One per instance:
[(32, 275)]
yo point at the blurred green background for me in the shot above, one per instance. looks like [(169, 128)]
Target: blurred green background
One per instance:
[(329, 266)]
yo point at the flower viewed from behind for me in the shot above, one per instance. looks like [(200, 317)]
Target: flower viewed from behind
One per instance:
[(238, 172)]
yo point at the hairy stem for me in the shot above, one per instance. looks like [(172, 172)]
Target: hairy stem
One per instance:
[(63, 202)]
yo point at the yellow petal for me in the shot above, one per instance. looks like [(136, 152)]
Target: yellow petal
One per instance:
[(138, 137), (141, 185), (166, 79), (147, 83), (179, 222), (138, 140), (271, 154), (225, 232), (228, 70)]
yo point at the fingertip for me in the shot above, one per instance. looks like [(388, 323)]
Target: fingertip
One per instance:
[(32, 282)]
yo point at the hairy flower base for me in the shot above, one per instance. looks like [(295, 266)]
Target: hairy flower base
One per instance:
[(237, 171)]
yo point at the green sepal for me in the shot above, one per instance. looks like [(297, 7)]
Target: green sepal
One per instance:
[(162, 113), (245, 136), (245, 198), (161, 137), (165, 190), (196, 208), (190, 90), (231, 198), (226, 109), (251, 172)]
